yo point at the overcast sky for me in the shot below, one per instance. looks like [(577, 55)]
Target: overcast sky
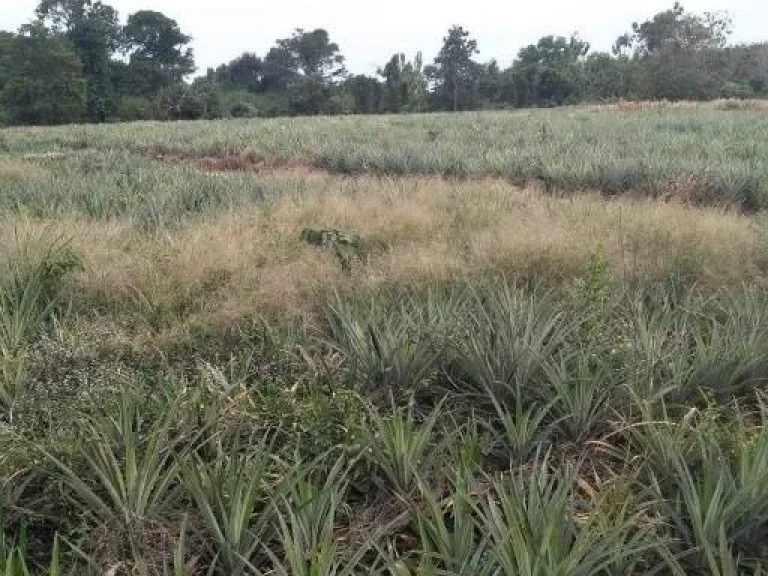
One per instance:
[(368, 32)]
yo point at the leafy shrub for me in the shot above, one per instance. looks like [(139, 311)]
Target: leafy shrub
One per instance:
[(243, 110), (132, 108)]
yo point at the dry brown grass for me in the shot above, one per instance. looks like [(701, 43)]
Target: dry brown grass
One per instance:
[(417, 231), (17, 171), (719, 104)]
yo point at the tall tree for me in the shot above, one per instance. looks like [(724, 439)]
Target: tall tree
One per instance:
[(246, 71), (677, 54), (306, 67), (309, 95), (606, 77), (749, 67), (490, 84), (94, 31), (676, 29), (454, 73), (158, 50), (366, 93), (310, 54), (405, 86), (550, 71), (314, 54), (41, 80), (279, 69)]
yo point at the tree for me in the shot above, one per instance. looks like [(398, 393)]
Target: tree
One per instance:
[(41, 80), (94, 32), (279, 70), (405, 87), (680, 75), (677, 54), (606, 77), (507, 89), (748, 67), (201, 99), (157, 48), (454, 73), (676, 29), (314, 54), (489, 84), (246, 71), (366, 93), (550, 72), (309, 54), (305, 67), (310, 95)]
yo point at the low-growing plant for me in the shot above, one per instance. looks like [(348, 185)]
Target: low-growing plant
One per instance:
[(614, 346), (235, 493), (307, 524), (519, 432), (400, 447), (15, 560), (30, 290), (384, 349), (582, 385), (449, 536), (714, 498), (509, 337), (123, 480), (535, 526), (30, 295)]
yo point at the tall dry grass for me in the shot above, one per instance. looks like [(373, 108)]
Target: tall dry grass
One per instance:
[(664, 105), (12, 171), (415, 231)]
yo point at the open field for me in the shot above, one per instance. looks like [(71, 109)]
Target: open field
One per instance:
[(529, 344)]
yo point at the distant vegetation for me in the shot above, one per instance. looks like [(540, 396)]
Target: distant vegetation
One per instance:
[(77, 62)]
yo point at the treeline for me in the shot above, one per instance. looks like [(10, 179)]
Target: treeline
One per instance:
[(78, 62)]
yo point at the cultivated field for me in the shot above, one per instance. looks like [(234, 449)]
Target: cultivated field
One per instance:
[(714, 152), (529, 343)]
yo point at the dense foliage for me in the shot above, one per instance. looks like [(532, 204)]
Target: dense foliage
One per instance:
[(141, 70)]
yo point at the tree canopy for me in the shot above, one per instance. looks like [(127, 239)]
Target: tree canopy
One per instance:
[(454, 73), (405, 86), (551, 71), (158, 49), (79, 61), (41, 78), (676, 29), (94, 31)]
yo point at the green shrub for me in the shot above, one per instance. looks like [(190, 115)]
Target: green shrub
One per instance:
[(243, 110)]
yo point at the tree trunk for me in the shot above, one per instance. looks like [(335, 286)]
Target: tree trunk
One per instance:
[(455, 96)]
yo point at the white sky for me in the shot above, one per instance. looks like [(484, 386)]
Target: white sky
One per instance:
[(368, 32)]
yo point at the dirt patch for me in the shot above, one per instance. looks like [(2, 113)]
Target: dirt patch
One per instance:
[(222, 162)]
